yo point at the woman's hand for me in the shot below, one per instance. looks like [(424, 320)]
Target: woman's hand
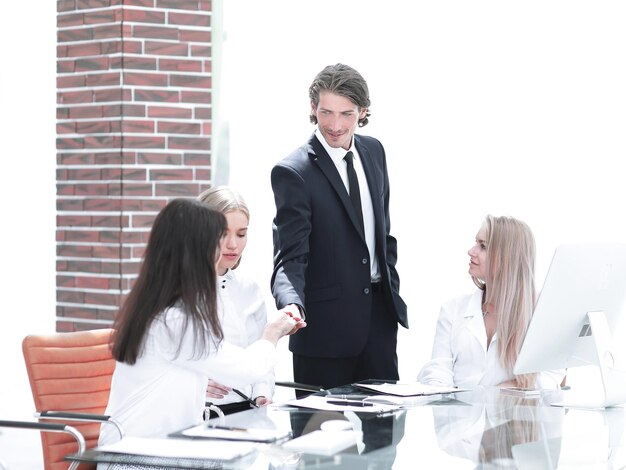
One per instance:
[(216, 390), (284, 325), (262, 401)]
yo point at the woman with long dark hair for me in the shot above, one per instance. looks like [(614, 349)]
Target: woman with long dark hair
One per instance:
[(169, 340)]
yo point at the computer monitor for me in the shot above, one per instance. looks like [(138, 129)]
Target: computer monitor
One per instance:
[(582, 302)]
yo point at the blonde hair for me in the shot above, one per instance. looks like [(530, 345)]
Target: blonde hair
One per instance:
[(509, 286), (225, 199)]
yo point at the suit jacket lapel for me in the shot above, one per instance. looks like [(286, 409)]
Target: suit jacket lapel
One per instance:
[(318, 154), (374, 188)]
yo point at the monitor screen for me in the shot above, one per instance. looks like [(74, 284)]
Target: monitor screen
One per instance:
[(582, 278)]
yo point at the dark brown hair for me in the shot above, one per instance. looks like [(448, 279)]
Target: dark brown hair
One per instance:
[(178, 267)]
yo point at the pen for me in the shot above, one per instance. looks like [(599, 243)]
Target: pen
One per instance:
[(348, 403), (245, 397), (228, 428)]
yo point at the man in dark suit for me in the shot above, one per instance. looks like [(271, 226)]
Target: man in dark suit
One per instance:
[(334, 258)]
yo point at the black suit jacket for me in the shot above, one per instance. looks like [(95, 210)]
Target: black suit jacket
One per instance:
[(321, 260)]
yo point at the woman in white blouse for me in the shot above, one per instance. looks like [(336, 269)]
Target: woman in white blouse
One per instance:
[(479, 336), (242, 308), (169, 339)]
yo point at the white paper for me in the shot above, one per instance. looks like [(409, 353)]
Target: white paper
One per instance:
[(321, 403), (323, 442), (179, 448), (408, 389), (247, 434)]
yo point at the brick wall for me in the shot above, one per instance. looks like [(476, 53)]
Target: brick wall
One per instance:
[(133, 131)]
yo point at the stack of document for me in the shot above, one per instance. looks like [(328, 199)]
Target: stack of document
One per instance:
[(330, 403), (413, 389), (227, 433)]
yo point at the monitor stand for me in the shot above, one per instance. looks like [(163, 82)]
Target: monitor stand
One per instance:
[(613, 391)]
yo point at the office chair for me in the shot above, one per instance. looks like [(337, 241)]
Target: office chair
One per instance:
[(70, 378)]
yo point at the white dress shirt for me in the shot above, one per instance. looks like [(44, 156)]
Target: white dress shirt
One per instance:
[(337, 156), (243, 316), (165, 390), (460, 355)]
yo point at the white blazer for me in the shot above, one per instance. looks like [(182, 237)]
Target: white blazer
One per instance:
[(460, 355)]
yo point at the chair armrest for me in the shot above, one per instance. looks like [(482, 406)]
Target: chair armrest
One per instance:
[(50, 427), (72, 416)]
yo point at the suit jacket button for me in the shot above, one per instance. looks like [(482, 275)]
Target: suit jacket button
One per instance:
[(366, 290), (364, 261)]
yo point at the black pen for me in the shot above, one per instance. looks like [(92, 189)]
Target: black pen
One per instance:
[(347, 403), (245, 397), (228, 428)]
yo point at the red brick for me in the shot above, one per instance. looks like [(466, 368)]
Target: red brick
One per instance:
[(103, 141), (180, 65), (69, 204), (143, 221), (70, 143), (171, 175), (108, 31), (71, 81), (85, 112), (202, 113), (93, 127), (132, 47), (81, 236), (111, 47), (73, 97), (112, 94), (143, 127), (178, 4), (139, 3), (191, 35), (74, 251), (144, 16), (78, 34), (144, 158), (176, 190), (91, 189), (197, 159), (189, 19), (71, 19), (65, 5), (159, 96), (103, 16), (103, 79), (137, 189), (140, 63), (144, 142), (155, 32), (200, 51), (201, 97), (169, 112), (66, 66), (189, 143), (146, 79), (93, 63), (87, 282), (66, 128), (166, 48), (81, 50), (168, 127), (203, 174), (191, 81)]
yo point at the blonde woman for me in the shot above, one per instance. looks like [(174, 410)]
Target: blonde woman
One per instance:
[(479, 336), (242, 308)]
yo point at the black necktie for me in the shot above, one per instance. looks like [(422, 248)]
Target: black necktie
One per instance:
[(353, 182)]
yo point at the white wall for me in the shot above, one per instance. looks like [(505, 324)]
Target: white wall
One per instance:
[(485, 107), (27, 200)]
